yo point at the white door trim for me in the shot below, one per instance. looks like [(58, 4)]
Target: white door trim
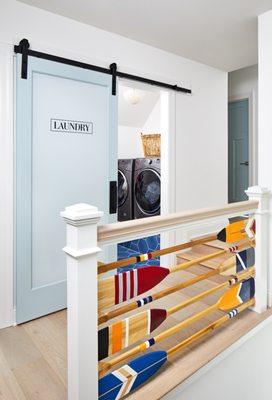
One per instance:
[(6, 184)]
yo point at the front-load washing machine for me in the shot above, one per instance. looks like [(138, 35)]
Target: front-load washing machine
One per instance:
[(147, 187)]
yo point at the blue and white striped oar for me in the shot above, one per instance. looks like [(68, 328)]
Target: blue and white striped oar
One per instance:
[(129, 377)]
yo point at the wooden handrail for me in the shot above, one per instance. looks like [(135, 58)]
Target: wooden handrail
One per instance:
[(116, 232)]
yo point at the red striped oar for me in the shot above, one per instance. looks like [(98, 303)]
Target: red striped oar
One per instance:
[(129, 377), (239, 261), (233, 297), (234, 232), (126, 332), (126, 285)]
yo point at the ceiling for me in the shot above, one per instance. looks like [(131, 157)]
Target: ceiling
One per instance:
[(220, 33)]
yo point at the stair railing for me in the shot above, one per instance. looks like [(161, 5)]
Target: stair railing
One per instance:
[(84, 238)]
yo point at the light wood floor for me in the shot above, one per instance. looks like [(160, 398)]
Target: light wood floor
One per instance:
[(33, 355), (33, 360)]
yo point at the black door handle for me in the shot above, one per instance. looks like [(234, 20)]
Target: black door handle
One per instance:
[(113, 197), (244, 163)]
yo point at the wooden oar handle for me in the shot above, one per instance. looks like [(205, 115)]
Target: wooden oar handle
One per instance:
[(233, 249), (116, 312), (157, 253), (208, 329)]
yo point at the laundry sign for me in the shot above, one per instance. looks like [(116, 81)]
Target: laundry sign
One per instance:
[(67, 126)]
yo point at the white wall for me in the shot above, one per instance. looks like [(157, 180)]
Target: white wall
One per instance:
[(199, 178), (153, 122), (129, 137), (129, 142), (243, 83), (265, 113), (245, 373)]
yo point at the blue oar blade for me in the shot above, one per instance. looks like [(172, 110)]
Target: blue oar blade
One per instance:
[(128, 377), (245, 259), (247, 290)]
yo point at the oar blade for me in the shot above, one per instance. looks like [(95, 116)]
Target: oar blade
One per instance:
[(127, 378), (239, 262), (237, 231), (237, 295), (245, 259), (103, 343), (123, 333), (136, 281), (157, 317)]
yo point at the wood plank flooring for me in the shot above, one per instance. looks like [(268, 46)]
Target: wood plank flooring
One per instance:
[(33, 355), (33, 360)]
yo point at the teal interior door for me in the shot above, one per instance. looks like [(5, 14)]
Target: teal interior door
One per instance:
[(238, 150), (66, 153)]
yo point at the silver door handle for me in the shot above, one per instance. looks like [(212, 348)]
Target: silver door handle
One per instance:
[(244, 163)]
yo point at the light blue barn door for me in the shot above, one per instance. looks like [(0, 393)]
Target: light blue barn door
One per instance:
[(238, 150), (66, 140)]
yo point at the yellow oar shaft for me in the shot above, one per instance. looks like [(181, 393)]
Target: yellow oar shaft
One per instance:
[(207, 329), (187, 264), (157, 253)]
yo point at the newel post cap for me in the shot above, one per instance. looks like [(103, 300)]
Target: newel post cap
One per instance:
[(81, 212), (257, 191)]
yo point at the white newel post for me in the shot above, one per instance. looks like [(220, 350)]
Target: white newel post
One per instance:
[(81, 250), (262, 242)]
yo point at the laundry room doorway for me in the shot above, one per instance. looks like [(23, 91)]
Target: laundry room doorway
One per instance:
[(144, 165)]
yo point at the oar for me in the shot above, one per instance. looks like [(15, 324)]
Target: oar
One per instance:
[(129, 377), (126, 285), (238, 262), (233, 297), (234, 232), (124, 333)]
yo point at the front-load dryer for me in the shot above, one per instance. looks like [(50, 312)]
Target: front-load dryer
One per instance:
[(125, 189), (147, 187)]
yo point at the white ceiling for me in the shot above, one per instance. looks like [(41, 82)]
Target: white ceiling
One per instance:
[(220, 33)]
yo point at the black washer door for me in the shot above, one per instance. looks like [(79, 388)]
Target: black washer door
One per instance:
[(148, 191), (122, 188)]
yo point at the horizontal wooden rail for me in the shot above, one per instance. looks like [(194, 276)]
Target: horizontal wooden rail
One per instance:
[(127, 230)]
